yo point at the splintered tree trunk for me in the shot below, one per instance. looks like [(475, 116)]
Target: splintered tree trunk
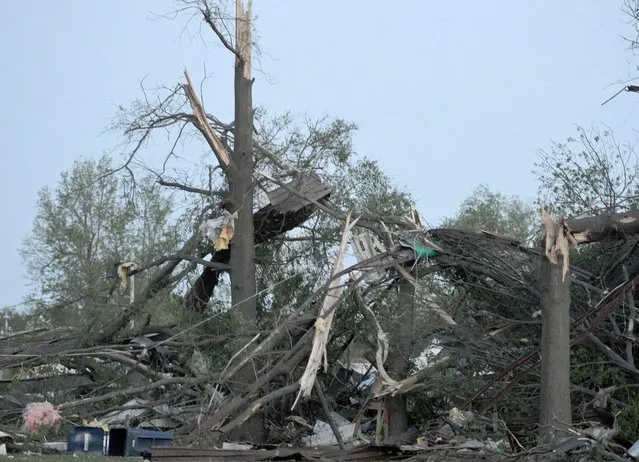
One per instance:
[(399, 357), (241, 181), (555, 408), (241, 194)]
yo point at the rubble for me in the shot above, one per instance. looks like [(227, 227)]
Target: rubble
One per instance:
[(157, 365), (323, 434)]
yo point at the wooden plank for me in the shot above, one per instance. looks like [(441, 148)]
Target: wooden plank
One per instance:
[(309, 186)]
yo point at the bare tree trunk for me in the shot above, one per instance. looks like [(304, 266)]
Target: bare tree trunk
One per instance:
[(399, 357), (243, 286), (555, 408), (241, 181)]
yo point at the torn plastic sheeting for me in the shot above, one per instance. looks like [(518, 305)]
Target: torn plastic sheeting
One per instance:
[(323, 435), (219, 230), (421, 250), (633, 451), (367, 382), (338, 419)]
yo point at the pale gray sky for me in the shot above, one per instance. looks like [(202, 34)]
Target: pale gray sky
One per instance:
[(447, 95)]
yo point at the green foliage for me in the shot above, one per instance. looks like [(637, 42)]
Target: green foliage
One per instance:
[(591, 369), (495, 212), (628, 418), (587, 174), (90, 221), (296, 264)]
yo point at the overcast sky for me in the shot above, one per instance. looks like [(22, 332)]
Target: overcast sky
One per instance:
[(447, 95)]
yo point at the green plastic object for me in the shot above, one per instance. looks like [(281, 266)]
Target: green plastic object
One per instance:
[(423, 251)]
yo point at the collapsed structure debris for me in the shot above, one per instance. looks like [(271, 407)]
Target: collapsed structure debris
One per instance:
[(168, 377), (128, 372)]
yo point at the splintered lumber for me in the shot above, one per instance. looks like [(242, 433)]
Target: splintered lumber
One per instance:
[(325, 319)]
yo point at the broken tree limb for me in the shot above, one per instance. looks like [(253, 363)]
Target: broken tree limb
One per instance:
[(202, 124), (285, 365), (325, 319), (614, 357), (256, 405), (268, 223), (557, 239), (158, 282), (412, 382), (604, 227), (216, 390), (381, 353), (296, 326), (133, 391), (327, 413)]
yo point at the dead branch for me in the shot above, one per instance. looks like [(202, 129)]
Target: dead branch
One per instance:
[(202, 124), (604, 227), (235, 355), (327, 413), (256, 405), (134, 391), (182, 257), (207, 14), (632, 316), (410, 383), (381, 352), (187, 188), (284, 366)]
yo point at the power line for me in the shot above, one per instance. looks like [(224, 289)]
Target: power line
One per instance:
[(16, 305)]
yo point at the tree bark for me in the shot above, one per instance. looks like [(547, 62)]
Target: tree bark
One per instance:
[(555, 408), (604, 227), (268, 223), (243, 285), (241, 179), (399, 357)]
